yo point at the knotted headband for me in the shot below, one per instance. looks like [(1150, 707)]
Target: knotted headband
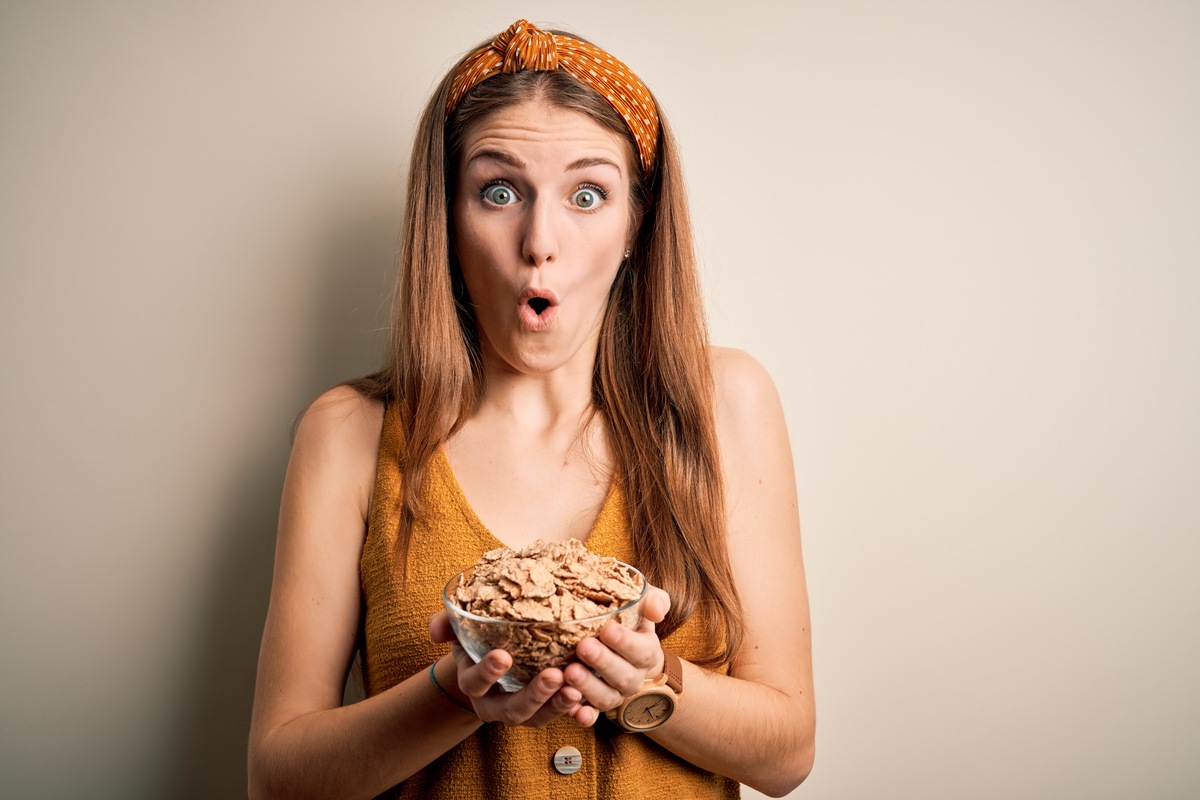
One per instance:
[(526, 46)]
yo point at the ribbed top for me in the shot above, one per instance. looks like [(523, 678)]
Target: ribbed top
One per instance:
[(498, 761)]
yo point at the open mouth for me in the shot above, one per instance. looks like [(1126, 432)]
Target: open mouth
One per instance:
[(538, 307)]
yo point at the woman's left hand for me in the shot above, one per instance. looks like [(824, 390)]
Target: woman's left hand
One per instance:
[(621, 660)]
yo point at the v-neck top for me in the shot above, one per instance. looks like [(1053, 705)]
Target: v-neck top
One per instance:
[(599, 537), (498, 761)]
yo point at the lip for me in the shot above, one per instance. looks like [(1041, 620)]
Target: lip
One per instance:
[(532, 320)]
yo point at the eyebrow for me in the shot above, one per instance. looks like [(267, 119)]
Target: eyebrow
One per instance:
[(584, 163), (498, 155), (510, 160)]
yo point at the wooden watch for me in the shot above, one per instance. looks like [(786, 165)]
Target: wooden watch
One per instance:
[(655, 702)]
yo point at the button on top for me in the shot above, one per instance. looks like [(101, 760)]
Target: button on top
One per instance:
[(567, 760)]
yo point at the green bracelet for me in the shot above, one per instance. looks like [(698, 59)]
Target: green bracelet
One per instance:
[(444, 693)]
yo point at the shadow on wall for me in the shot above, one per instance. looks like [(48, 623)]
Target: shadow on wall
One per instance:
[(343, 338)]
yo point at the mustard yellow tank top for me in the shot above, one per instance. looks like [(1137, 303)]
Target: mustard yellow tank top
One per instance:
[(498, 761)]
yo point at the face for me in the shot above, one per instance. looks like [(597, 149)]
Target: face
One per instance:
[(542, 220)]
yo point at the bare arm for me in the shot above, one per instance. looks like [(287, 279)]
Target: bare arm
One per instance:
[(757, 725), (302, 742)]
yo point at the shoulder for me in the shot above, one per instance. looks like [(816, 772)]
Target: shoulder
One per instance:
[(741, 385), (341, 428), (729, 362), (747, 409), (342, 414)]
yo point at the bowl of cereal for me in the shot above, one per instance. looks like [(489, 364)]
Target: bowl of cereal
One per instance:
[(537, 603)]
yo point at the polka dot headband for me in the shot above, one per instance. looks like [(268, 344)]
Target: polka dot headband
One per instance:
[(526, 46)]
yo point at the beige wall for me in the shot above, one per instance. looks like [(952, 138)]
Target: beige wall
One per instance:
[(963, 237)]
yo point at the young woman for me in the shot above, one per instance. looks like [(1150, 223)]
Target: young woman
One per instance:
[(549, 377)]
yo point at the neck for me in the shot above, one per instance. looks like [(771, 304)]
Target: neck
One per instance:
[(536, 400), (543, 402)]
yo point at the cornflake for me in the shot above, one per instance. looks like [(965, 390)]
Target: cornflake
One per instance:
[(559, 588)]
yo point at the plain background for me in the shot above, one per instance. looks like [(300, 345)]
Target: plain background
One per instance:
[(963, 236)]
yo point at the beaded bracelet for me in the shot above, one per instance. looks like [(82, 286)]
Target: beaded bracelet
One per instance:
[(444, 693)]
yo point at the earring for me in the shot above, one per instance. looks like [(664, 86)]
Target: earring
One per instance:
[(627, 252)]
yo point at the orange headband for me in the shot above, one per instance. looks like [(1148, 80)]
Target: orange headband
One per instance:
[(526, 46)]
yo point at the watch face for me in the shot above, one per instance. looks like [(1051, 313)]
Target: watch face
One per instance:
[(648, 711)]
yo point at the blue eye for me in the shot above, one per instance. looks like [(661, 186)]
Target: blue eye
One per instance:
[(587, 198), (498, 194)]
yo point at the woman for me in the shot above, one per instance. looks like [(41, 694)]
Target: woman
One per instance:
[(549, 362)]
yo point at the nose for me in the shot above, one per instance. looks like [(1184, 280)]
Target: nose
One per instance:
[(539, 243)]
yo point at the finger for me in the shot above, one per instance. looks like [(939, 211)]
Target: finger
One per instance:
[(610, 678), (656, 605), (596, 692), (440, 629), (477, 679), (642, 649), (518, 708), (462, 659), (585, 715), (567, 698), (565, 702)]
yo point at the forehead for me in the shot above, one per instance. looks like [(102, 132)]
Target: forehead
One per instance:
[(540, 131)]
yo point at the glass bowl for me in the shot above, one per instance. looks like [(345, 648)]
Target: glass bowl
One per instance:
[(534, 645)]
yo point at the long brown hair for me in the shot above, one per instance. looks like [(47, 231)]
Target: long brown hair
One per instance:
[(652, 383)]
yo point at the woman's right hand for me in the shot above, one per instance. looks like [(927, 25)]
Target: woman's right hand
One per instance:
[(540, 702)]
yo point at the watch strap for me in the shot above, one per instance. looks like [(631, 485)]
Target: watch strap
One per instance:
[(673, 669)]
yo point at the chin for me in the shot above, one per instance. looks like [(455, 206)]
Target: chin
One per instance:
[(543, 353), (536, 361), (536, 364)]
